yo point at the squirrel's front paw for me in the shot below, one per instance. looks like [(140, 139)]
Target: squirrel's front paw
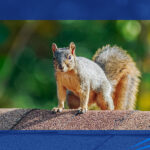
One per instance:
[(81, 111), (57, 109)]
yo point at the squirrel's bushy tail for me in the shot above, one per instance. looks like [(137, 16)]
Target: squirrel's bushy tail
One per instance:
[(122, 73)]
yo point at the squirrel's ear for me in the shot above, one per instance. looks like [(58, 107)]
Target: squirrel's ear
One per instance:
[(54, 47), (72, 47)]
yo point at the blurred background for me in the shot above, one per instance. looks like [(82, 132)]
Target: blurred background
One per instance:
[(26, 68)]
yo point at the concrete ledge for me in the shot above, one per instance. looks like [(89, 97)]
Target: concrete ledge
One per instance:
[(21, 119)]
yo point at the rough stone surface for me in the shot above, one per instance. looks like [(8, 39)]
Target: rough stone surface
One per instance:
[(92, 120), (10, 117)]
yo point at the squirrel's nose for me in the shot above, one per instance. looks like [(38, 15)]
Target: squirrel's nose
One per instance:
[(61, 67)]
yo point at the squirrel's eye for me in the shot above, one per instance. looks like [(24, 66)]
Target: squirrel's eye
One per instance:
[(53, 58), (69, 57)]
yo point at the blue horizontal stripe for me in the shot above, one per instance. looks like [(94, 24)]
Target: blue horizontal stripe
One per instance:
[(73, 139), (74, 9)]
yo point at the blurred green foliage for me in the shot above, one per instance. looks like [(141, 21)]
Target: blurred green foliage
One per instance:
[(26, 69)]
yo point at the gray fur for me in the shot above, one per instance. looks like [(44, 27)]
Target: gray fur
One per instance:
[(95, 77)]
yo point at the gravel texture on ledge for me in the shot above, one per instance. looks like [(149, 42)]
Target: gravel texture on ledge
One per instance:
[(10, 117), (92, 120)]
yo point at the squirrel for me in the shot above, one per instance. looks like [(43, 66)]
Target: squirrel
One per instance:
[(110, 80)]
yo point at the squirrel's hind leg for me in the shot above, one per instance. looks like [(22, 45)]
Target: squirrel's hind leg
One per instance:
[(104, 99), (73, 101), (100, 102)]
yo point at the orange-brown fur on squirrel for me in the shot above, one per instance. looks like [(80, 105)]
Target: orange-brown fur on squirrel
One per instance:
[(123, 75)]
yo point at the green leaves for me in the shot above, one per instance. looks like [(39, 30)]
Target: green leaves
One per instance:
[(130, 30), (4, 33)]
